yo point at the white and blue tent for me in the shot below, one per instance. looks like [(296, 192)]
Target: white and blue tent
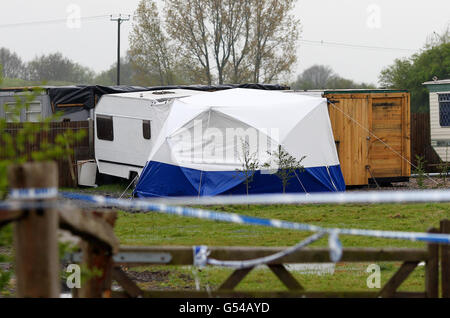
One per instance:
[(201, 148)]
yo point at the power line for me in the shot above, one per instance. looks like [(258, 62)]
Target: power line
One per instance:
[(350, 45), (60, 20), (307, 42)]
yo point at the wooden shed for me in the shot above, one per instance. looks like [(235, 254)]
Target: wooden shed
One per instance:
[(372, 134)]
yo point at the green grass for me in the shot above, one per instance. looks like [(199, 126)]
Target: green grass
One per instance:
[(159, 229), (346, 277)]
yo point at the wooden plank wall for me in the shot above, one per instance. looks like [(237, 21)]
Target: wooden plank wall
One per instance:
[(355, 119), (350, 138), (387, 125), (82, 149), (421, 141)]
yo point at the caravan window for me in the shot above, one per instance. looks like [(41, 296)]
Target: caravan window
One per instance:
[(11, 114), (147, 129), (33, 112), (105, 128), (444, 110)]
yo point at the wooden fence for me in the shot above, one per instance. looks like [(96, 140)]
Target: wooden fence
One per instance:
[(184, 256), (82, 149), (37, 269), (421, 141)]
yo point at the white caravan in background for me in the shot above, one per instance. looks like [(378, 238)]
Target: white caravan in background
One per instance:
[(126, 126)]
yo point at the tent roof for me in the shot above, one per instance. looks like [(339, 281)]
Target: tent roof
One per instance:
[(258, 109), (159, 95), (248, 98)]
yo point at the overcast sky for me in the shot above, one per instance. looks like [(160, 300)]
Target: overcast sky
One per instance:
[(400, 26)]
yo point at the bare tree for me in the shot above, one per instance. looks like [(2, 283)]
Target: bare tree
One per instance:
[(249, 164), (274, 35), (239, 70), (239, 40), (150, 48), (187, 24), (437, 39)]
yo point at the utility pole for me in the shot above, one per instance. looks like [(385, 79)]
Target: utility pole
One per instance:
[(119, 20)]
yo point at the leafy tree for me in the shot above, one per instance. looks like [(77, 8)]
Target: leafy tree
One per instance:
[(56, 67), (12, 64), (323, 77), (315, 77), (127, 74), (287, 166), (410, 73)]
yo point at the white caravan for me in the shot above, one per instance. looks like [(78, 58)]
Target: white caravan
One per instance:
[(126, 126), (440, 117)]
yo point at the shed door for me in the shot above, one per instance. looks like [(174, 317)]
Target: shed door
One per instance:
[(350, 121), (385, 156)]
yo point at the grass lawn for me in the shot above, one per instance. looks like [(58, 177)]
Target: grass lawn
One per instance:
[(158, 229)]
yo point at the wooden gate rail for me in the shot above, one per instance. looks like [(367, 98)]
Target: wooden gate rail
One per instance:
[(182, 255)]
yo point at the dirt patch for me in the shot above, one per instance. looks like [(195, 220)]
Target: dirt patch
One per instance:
[(161, 280), (412, 184), (148, 276)]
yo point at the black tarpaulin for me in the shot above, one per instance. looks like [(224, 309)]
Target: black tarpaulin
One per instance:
[(67, 98)]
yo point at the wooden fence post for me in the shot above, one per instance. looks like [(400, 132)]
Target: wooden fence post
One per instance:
[(445, 261), (97, 257), (35, 234), (432, 269)]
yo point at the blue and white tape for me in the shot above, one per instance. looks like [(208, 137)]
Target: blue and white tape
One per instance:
[(33, 194), (201, 254), (335, 246), (351, 197), (144, 205)]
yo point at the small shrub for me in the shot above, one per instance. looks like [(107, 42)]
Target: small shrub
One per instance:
[(444, 168), (287, 166), (419, 170)]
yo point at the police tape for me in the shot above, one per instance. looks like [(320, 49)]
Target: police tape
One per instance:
[(33, 194), (145, 206), (351, 197), (201, 254), (30, 198)]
